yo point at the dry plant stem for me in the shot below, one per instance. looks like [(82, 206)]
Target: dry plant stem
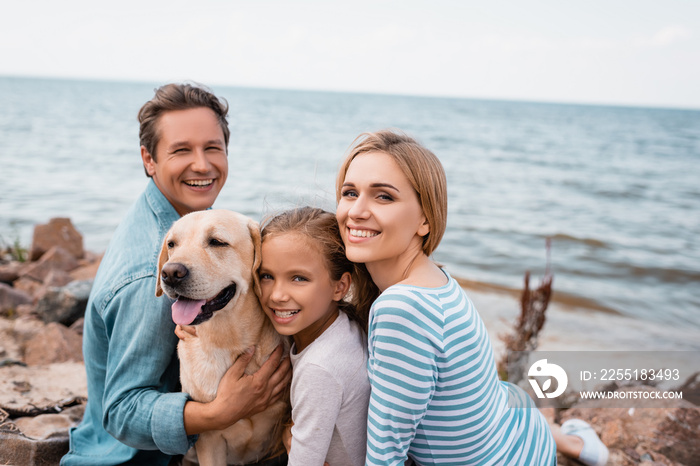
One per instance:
[(533, 305)]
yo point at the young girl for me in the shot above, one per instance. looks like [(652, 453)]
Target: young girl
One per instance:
[(304, 277), (435, 393)]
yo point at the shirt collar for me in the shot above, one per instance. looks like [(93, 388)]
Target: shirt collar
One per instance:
[(164, 210)]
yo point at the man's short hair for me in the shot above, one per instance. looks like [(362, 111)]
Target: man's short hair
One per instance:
[(178, 97)]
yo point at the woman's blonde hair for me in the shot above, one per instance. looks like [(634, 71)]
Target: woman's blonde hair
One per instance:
[(427, 177), (321, 228)]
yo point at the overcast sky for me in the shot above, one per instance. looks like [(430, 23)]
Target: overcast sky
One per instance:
[(630, 52)]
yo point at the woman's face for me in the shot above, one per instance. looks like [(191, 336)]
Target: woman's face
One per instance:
[(379, 214)]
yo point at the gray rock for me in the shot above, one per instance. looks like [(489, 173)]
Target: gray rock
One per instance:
[(11, 298), (66, 304), (10, 272), (691, 389)]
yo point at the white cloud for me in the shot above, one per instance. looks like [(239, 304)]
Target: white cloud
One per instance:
[(670, 35)]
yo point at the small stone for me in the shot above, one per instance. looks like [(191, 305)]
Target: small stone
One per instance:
[(55, 343), (77, 326), (22, 386), (44, 426), (11, 298), (58, 232), (28, 285), (87, 270), (10, 272), (56, 258), (57, 278), (66, 304)]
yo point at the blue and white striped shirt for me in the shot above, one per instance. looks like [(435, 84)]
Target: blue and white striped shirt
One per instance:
[(436, 396)]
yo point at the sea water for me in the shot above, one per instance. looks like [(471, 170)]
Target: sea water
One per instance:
[(617, 190)]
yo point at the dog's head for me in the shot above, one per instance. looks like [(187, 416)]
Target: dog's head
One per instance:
[(208, 259)]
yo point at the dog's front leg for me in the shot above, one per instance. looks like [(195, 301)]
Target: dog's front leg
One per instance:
[(211, 449)]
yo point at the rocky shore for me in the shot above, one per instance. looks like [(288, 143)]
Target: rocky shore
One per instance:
[(43, 387)]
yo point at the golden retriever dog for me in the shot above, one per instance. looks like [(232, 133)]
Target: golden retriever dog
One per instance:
[(208, 264)]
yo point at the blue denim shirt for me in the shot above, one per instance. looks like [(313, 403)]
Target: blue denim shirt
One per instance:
[(133, 413)]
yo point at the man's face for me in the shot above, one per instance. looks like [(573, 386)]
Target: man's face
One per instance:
[(191, 164)]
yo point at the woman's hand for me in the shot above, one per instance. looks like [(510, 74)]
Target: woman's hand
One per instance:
[(239, 395), (185, 332)]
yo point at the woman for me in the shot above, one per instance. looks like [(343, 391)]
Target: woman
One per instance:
[(435, 392)]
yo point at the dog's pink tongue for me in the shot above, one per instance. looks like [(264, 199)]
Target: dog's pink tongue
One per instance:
[(185, 310)]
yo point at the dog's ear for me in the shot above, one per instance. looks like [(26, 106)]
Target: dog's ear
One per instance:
[(254, 229), (162, 259)]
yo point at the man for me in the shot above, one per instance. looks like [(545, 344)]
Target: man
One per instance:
[(134, 414)]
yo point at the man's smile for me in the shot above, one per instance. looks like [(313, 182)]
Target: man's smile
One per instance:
[(199, 183)]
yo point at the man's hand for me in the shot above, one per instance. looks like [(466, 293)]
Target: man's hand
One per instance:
[(185, 332), (239, 395), (252, 393)]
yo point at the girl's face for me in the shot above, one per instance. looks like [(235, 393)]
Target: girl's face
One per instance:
[(298, 294), (379, 214)]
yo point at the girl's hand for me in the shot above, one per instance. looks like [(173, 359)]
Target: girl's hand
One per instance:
[(287, 437), (185, 332)]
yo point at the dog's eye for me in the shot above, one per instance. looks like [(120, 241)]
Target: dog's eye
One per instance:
[(171, 244), (216, 242)]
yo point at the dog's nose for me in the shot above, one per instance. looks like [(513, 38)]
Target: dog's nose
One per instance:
[(174, 274)]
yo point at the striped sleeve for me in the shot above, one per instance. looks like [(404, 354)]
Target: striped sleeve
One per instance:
[(405, 345)]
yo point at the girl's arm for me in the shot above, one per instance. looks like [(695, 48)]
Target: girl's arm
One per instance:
[(316, 402), (403, 372)]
